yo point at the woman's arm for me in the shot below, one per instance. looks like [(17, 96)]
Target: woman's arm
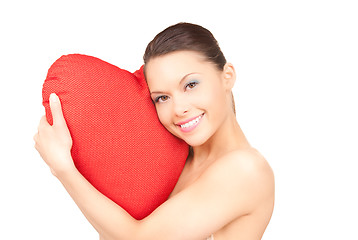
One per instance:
[(110, 220), (232, 187), (54, 144)]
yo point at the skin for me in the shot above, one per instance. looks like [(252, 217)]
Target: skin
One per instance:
[(226, 187)]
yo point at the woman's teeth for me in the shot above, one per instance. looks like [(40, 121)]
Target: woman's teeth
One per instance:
[(191, 123)]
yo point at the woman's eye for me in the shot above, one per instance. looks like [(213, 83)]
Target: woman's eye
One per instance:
[(161, 99), (191, 85)]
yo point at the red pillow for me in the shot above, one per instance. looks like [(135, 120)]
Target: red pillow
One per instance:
[(119, 145)]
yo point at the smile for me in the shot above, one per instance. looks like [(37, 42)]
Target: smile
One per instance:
[(190, 124)]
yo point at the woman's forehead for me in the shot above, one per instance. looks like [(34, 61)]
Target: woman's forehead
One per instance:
[(174, 66)]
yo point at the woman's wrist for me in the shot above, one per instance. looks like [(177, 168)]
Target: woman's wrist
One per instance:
[(65, 170)]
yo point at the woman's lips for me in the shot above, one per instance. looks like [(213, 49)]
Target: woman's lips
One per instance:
[(190, 124)]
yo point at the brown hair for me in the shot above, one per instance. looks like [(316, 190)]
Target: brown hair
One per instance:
[(186, 36), (190, 37)]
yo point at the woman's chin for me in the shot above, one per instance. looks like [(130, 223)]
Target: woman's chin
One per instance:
[(195, 141)]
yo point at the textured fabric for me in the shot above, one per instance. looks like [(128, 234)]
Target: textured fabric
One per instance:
[(119, 145)]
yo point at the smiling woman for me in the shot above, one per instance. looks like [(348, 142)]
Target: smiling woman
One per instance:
[(195, 92), (226, 189)]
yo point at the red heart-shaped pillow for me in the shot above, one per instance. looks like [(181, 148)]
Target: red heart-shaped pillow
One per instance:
[(119, 145)]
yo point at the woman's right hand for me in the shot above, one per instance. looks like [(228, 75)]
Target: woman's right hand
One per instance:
[(54, 142)]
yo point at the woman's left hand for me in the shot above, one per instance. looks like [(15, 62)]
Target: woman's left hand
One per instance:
[(54, 142)]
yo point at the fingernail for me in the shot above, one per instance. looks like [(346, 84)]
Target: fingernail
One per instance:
[(54, 97)]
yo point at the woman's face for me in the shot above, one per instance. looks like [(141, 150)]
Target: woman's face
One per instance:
[(190, 94)]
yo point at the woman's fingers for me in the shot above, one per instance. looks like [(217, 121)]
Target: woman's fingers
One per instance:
[(43, 121), (36, 137), (56, 110), (54, 142), (42, 124)]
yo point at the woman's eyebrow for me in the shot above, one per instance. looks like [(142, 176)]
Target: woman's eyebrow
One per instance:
[(183, 78), (155, 93), (187, 75)]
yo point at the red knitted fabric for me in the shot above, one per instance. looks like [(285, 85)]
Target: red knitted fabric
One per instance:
[(119, 145)]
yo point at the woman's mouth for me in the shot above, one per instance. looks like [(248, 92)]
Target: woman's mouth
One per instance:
[(190, 124)]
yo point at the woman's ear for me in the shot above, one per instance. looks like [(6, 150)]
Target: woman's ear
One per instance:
[(229, 76)]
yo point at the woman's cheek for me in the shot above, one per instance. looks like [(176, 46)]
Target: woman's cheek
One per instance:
[(203, 99), (163, 115)]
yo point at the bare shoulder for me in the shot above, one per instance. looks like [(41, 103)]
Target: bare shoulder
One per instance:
[(245, 173), (248, 161)]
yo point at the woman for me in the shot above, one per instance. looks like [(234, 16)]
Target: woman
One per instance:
[(226, 189)]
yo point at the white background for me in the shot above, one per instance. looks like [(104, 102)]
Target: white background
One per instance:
[(296, 97)]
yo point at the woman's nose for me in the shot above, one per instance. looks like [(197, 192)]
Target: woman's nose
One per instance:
[(181, 106)]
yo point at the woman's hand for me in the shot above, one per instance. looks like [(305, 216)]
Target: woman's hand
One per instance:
[(54, 142)]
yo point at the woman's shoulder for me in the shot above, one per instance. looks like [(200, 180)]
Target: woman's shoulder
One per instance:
[(245, 166), (244, 177), (248, 159)]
